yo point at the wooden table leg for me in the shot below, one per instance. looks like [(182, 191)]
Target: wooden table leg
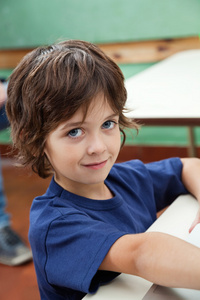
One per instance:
[(191, 147)]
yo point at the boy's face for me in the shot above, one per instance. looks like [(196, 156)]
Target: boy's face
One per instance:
[(82, 153)]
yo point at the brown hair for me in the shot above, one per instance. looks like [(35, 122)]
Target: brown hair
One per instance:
[(49, 85)]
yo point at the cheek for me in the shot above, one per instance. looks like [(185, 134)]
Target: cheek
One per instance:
[(55, 155), (67, 156), (115, 143)]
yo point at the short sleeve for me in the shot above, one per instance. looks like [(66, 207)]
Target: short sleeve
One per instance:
[(166, 180), (75, 246)]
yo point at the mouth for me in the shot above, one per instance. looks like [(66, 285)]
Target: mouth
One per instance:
[(96, 165)]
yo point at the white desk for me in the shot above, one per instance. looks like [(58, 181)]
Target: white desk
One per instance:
[(181, 214), (168, 93)]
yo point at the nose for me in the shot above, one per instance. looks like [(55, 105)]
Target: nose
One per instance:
[(97, 144)]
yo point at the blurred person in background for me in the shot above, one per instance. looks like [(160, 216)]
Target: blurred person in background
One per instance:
[(13, 250)]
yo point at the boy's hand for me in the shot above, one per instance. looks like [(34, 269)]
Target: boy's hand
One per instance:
[(3, 94), (190, 178), (196, 221)]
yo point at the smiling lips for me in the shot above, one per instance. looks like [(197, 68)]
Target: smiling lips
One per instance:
[(96, 166)]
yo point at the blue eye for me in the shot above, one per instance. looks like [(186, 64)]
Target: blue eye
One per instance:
[(74, 133), (108, 124)]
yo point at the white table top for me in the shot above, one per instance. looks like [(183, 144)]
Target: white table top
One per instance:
[(181, 214), (170, 89)]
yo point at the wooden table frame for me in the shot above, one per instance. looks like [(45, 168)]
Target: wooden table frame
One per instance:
[(190, 123)]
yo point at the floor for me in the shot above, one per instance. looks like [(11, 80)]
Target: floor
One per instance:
[(20, 283)]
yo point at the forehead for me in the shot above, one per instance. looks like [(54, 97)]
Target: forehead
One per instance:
[(98, 107), (98, 110)]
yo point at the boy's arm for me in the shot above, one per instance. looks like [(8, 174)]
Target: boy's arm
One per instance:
[(191, 180), (157, 257)]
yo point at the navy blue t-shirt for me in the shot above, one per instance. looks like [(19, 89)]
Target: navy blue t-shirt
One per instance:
[(70, 235)]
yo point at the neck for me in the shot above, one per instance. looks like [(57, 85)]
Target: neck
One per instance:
[(94, 191)]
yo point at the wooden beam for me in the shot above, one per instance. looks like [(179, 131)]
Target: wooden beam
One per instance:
[(121, 53), (11, 57), (148, 51)]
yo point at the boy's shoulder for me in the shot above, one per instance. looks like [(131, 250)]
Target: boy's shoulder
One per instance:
[(138, 164), (136, 168), (47, 207), (123, 168), (129, 164)]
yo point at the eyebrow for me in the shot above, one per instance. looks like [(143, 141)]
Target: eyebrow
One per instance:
[(78, 124)]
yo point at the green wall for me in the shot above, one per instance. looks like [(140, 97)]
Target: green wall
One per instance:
[(29, 23)]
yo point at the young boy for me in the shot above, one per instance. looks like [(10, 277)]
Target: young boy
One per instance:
[(66, 109)]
